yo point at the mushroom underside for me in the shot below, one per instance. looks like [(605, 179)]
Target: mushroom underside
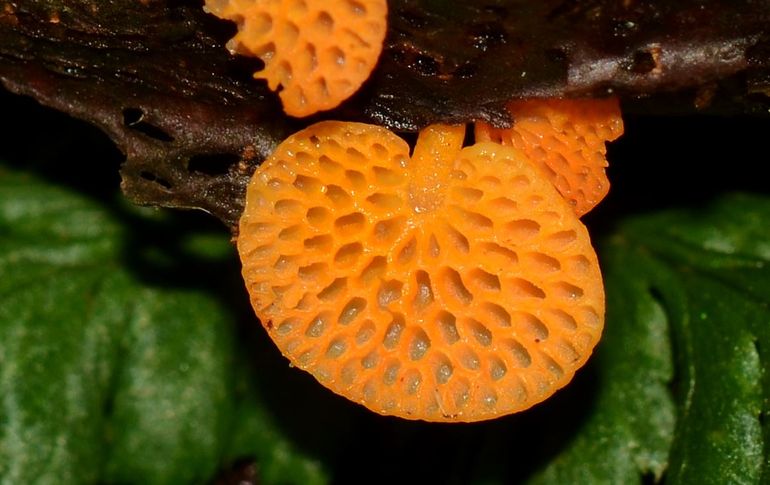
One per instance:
[(474, 296)]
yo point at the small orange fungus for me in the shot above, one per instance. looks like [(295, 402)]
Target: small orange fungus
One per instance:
[(455, 284), (317, 52), (566, 138)]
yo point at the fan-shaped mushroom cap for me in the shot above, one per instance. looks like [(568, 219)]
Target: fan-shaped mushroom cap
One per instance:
[(318, 51), (453, 285), (566, 138)]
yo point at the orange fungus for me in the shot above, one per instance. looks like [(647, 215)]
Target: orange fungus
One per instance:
[(455, 284), (566, 139), (317, 52)]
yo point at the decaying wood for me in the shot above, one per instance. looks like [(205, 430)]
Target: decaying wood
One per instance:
[(193, 124)]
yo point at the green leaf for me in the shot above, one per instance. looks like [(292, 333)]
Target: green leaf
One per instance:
[(717, 301), (114, 367), (693, 287)]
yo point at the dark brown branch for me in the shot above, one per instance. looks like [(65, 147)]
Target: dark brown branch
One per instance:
[(193, 123)]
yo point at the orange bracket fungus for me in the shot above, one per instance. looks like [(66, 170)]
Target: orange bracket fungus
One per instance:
[(319, 52), (455, 284), (566, 139)]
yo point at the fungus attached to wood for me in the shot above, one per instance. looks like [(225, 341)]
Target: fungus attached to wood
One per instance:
[(455, 284), (317, 52), (566, 138)]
